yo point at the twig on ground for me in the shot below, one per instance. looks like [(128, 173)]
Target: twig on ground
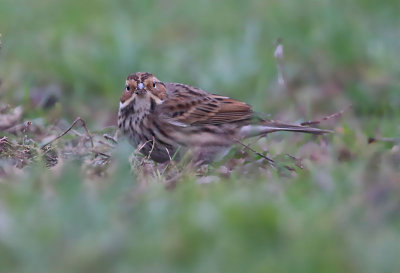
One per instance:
[(383, 139), (69, 129), (112, 139), (335, 115), (270, 161), (106, 144), (103, 154)]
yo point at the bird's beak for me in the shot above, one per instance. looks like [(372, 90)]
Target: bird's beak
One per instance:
[(140, 89)]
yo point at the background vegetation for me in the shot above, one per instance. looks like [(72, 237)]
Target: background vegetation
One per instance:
[(332, 203)]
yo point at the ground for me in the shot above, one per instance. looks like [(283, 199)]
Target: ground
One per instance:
[(329, 204)]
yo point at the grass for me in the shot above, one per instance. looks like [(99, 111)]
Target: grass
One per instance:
[(335, 209)]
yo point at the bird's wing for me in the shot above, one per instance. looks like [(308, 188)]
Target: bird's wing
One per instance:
[(187, 105)]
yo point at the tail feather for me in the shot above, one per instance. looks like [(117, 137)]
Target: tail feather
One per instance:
[(269, 126)]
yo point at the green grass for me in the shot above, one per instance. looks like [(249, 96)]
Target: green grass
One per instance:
[(334, 216), (340, 213)]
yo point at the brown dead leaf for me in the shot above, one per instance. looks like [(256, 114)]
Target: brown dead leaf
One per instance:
[(10, 118)]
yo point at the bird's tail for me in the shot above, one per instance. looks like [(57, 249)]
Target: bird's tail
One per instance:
[(269, 126)]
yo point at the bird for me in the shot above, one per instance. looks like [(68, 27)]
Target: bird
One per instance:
[(164, 119)]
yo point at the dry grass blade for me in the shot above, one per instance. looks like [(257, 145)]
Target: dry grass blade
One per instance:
[(152, 148), (278, 54), (139, 148), (10, 117), (297, 160)]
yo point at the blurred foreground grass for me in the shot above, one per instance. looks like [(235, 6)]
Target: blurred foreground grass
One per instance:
[(340, 213), (333, 216)]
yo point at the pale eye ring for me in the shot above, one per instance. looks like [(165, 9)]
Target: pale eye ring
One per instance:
[(127, 88)]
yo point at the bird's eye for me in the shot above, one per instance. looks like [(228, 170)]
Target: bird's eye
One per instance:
[(154, 84), (127, 88)]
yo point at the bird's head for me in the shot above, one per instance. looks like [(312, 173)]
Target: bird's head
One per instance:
[(142, 85)]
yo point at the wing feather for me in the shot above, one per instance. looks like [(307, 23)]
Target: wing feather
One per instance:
[(192, 106)]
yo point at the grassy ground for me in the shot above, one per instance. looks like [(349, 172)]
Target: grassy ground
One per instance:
[(331, 204)]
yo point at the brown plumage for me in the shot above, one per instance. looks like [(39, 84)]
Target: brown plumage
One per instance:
[(163, 116)]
